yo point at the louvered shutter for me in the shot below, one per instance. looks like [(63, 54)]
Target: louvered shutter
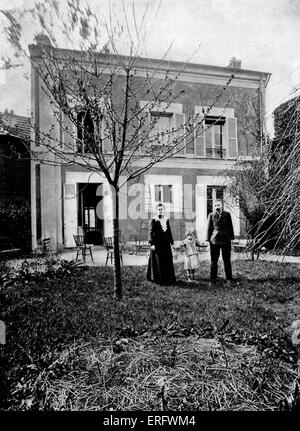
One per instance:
[(199, 135), (179, 133), (225, 139), (68, 133), (232, 138), (209, 140), (145, 132), (106, 134), (189, 135)]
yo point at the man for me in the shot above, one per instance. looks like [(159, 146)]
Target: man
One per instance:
[(219, 234)]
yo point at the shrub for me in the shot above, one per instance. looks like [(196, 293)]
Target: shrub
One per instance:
[(15, 221)]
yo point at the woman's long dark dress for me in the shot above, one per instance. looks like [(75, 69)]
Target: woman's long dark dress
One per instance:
[(160, 266)]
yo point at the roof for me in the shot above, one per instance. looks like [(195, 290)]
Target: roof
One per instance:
[(64, 54), (15, 125)]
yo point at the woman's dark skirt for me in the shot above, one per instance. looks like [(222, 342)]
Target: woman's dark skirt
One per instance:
[(160, 266)]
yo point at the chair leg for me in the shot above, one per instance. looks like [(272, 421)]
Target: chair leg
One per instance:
[(106, 259), (77, 255), (91, 254), (83, 255)]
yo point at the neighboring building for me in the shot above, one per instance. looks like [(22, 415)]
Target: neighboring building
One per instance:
[(15, 178), (65, 199)]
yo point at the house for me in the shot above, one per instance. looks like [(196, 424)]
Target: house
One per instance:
[(15, 228), (66, 199)]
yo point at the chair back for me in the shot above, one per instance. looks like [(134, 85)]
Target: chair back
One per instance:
[(108, 241), (46, 244), (79, 240)]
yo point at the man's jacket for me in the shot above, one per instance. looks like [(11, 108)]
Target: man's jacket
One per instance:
[(219, 228)]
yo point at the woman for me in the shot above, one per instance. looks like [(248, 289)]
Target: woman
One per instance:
[(160, 265)]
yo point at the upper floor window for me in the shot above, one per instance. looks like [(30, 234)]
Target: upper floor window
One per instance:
[(214, 137), (215, 133), (85, 131), (162, 127)]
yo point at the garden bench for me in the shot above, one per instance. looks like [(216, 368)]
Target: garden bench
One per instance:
[(140, 243), (46, 245)]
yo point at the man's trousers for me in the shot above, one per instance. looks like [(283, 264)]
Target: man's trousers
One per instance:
[(226, 256)]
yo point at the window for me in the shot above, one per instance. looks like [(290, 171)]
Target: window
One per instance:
[(214, 137), (162, 127), (85, 132), (214, 193), (164, 193)]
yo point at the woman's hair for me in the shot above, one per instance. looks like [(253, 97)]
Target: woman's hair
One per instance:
[(160, 205)]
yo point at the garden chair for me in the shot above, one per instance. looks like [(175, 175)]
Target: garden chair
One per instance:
[(82, 247), (108, 241)]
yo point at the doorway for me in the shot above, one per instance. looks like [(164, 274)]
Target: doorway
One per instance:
[(89, 195)]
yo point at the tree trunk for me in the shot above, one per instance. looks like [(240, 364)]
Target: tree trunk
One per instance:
[(117, 261)]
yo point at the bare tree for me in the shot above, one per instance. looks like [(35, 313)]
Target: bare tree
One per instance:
[(284, 175), (96, 96)]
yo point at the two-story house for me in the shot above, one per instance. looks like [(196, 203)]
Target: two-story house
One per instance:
[(230, 100)]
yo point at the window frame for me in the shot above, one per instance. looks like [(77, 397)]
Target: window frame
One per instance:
[(161, 193), (213, 122)]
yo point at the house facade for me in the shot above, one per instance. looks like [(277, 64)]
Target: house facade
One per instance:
[(67, 200)]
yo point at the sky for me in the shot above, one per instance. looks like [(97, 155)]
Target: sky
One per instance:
[(263, 34)]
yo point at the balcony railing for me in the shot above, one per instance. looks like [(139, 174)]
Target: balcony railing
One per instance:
[(215, 153)]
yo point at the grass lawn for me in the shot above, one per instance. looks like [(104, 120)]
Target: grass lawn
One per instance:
[(72, 346)]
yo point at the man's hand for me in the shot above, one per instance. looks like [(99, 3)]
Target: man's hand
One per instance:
[(153, 247)]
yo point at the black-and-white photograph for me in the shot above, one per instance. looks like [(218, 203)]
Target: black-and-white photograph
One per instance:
[(150, 208)]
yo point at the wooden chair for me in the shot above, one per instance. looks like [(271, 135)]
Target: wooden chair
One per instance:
[(109, 244), (82, 247), (46, 245)]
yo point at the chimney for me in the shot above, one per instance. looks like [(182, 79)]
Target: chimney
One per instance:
[(234, 63), (11, 112), (43, 40)]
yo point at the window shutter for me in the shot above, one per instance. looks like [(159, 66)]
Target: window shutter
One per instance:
[(225, 138), (232, 138), (199, 135), (208, 140), (106, 142), (189, 135), (179, 133), (144, 132), (68, 133)]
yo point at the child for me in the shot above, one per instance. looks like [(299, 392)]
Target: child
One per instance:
[(191, 262)]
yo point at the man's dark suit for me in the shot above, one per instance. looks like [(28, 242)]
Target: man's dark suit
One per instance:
[(219, 234)]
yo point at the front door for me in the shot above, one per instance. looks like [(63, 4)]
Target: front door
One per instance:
[(88, 198)]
